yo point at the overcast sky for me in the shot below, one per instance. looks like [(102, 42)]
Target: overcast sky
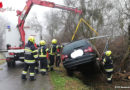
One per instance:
[(19, 5), (13, 19)]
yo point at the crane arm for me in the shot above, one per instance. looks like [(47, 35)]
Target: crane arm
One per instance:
[(22, 15)]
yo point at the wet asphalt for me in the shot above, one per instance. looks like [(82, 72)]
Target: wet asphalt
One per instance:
[(10, 79)]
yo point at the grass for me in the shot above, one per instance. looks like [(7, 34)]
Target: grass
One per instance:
[(1, 61), (61, 81)]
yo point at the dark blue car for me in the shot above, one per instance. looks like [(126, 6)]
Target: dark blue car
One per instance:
[(78, 55)]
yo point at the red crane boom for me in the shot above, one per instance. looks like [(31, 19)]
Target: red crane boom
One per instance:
[(22, 15)]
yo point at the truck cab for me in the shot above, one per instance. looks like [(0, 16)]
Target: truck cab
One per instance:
[(12, 39)]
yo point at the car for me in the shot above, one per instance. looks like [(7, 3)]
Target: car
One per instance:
[(79, 55)]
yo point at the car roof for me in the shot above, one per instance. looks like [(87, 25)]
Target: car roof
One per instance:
[(76, 44)]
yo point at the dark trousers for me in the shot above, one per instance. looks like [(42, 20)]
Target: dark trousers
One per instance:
[(109, 77), (52, 59), (58, 60), (43, 64), (29, 67), (36, 66)]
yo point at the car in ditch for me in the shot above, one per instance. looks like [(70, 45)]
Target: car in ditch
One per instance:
[(79, 56)]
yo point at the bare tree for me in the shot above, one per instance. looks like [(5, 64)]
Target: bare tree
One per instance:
[(3, 27), (34, 24)]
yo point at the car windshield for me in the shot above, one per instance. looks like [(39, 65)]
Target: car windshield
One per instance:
[(75, 45)]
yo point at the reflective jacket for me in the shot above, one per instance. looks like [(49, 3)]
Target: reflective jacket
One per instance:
[(30, 53), (52, 50), (108, 63), (43, 51), (59, 49)]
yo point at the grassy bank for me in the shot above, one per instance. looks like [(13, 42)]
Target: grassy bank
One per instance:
[(61, 81), (1, 61)]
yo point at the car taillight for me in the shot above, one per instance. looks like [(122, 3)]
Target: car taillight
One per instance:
[(11, 53), (89, 49), (63, 57)]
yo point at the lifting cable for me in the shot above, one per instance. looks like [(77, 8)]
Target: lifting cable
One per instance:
[(108, 36), (82, 20)]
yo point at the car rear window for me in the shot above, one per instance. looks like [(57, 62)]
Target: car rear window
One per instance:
[(75, 45)]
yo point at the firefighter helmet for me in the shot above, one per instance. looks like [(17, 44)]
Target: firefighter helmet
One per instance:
[(42, 42), (54, 41), (31, 39), (108, 53)]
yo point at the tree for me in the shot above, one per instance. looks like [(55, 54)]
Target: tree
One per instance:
[(3, 27), (34, 24)]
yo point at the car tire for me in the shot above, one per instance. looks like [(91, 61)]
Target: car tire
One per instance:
[(9, 64), (13, 63), (69, 72)]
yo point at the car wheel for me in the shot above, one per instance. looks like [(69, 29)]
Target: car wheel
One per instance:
[(13, 63), (69, 72), (9, 64)]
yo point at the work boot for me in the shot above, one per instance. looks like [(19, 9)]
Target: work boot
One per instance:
[(32, 78), (23, 77), (43, 73), (110, 82)]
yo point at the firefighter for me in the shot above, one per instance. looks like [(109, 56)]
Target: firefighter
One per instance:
[(52, 53), (58, 55), (30, 59), (37, 62), (43, 57), (108, 65)]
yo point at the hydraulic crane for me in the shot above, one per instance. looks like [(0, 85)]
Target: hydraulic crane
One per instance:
[(23, 14), (17, 53)]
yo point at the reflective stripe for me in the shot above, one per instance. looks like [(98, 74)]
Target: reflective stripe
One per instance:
[(51, 53), (28, 50), (43, 70), (58, 54), (110, 58), (61, 46), (35, 56), (104, 60), (47, 49), (57, 46), (51, 49), (31, 74), (42, 55), (109, 70), (29, 61), (36, 67), (24, 72), (108, 79), (48, 66), (35, 51)]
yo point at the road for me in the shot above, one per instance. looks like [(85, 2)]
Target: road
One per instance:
[(10, 79)]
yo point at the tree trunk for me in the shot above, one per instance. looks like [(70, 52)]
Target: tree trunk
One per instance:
[(125, 63)]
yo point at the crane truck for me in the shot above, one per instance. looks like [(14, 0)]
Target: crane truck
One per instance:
[(17, 53)]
